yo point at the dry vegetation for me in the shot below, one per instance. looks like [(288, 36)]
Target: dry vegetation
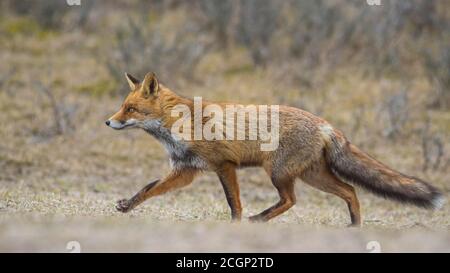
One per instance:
[(380, 74)]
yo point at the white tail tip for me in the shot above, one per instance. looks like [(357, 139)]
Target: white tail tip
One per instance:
[(438, 202)]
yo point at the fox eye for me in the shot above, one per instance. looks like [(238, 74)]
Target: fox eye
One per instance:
[(131, 109)]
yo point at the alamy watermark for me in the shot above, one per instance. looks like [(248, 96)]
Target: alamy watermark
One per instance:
[(73, 247), (230, 122), (73, 2), (373, 2), (373, 247)]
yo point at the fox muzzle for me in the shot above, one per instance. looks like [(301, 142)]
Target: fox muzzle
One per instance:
[(118, 125)]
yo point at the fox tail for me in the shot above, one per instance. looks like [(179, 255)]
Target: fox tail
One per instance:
[(356, 167)]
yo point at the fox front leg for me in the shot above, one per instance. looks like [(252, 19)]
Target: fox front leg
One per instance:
[(227, 176), (125, 205), (176, 179)]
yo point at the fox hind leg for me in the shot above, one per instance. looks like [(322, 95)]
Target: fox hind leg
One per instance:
[(285, 187), (324, 180)]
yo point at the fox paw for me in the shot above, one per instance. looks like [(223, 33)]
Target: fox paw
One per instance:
[(123, 205)]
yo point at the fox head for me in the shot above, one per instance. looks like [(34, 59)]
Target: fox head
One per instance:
[(142, 105)]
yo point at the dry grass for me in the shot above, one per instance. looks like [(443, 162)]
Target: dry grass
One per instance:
[(64, 188), (56, 188)]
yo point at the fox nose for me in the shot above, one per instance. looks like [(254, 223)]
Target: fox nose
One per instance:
[(107, 122)]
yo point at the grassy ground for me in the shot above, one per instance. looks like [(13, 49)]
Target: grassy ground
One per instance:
[(124, 234), (65, 189), (59, 188)]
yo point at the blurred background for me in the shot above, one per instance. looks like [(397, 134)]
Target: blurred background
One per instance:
[(380, 73)]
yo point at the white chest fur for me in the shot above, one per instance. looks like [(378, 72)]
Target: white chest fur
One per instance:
[(180, 154)]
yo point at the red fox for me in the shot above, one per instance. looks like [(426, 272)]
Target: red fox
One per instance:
[(308, 148)]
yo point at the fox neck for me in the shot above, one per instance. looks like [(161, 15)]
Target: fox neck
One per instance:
[(180, 154), (179, 151), (159, 127), (155, 127)]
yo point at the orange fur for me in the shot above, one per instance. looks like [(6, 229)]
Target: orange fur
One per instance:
[(309, 149)]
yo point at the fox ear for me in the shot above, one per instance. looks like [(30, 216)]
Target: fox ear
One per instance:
[(132, 81), (150, 85)]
